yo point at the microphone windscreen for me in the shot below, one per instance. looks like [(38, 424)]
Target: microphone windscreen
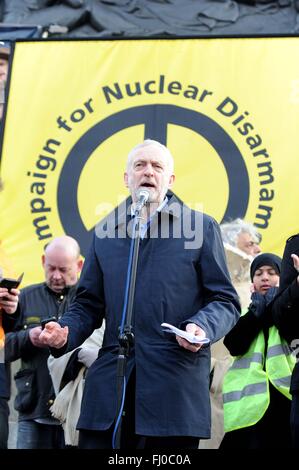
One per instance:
[(143, 195)]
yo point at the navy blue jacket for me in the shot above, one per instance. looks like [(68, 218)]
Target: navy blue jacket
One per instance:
[(174, 284)]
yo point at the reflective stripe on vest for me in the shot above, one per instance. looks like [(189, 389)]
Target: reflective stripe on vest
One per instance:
[(246, 388), (253, 389), (246, 385), (279, 363), (244, 362)]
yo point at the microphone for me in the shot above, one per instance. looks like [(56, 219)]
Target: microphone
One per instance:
[(142, 198)]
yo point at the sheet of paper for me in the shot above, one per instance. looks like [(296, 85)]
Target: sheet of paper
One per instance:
[(184, 334)]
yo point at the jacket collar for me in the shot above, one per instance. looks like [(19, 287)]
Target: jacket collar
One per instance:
[(123, 211)]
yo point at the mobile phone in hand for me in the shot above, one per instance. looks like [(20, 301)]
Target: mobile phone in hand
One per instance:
[(47, 320), (10, 283)]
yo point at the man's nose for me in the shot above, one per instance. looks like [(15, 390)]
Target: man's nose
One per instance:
[(265, 276), (57, 274), (257, 249), (148, 169)]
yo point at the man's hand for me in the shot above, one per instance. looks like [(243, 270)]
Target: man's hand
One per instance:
[(197, 331), (34, 334), (9, 300), (54, 335)]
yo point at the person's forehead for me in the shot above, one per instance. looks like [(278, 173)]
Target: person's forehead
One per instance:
[(246, 236), (265, 267), (60, 264), (150, 152), (59, 257)]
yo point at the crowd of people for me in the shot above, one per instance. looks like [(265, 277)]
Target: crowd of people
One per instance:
[(71, 335)]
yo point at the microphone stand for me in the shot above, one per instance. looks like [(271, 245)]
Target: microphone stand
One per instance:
[(126, 336)]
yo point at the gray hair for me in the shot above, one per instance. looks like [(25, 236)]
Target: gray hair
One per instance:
[(147, 143), (230, 231)]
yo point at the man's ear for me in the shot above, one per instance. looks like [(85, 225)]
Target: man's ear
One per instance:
[(126, 179), (80, 265), (171, 181)]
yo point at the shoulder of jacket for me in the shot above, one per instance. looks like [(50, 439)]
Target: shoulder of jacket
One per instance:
[(72, 290), (292, 237), (197, 213), (32, 288)]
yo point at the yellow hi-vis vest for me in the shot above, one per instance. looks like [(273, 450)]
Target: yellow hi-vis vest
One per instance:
[(246, 384)]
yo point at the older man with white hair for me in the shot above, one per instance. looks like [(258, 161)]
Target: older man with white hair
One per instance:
[(166, 388)]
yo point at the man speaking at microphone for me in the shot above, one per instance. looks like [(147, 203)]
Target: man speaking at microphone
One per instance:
[(178, 281)]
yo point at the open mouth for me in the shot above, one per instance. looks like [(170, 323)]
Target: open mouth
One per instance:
[(147, 185)]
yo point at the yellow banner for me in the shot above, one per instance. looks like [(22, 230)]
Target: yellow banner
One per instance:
[(226, 108)]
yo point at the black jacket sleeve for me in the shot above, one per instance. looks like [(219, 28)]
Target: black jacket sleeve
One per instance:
[(285, 312), (17, 341), (18, 345), (285, 307), (72, 369), (239, 339), (258, 318), (9, 321), (288, 272)]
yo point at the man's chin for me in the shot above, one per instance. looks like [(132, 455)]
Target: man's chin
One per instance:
[(153, 197), (57, 289)]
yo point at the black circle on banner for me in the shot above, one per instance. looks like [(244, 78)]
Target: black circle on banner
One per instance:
[(155, 118)]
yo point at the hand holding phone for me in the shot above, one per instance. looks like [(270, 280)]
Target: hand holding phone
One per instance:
[(9, 300), (10, 283), (47, 320)]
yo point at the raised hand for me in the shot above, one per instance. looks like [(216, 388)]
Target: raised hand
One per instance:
[(296, 262)]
